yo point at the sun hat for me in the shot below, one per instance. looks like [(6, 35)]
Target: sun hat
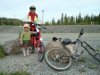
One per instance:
[(26, 25)]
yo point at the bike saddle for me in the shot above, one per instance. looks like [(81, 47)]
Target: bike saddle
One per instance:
[(66, 41)]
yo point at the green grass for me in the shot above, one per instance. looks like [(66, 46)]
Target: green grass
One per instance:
[(2, 53), (98, 50), (15, 73), (92, 66), (82, 60)]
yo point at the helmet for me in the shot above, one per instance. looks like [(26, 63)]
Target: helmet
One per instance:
[(26, 25), (32, 7)]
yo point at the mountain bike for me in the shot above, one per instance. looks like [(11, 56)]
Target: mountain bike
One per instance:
[(62, 58)]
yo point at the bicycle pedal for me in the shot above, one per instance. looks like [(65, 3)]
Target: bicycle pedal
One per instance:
[(76, 56)]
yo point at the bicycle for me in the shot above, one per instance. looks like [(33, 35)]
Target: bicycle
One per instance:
[(62, 58)]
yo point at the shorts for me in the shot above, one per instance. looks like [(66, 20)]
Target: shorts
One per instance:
[(26, 43)]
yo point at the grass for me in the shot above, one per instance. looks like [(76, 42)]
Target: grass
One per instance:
[(15, 73), (98, 50), (2, 53), (27, 65), (92, 66), (82, 60)]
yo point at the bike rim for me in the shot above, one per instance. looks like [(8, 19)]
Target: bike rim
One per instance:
[(61, 64), (41, 53)]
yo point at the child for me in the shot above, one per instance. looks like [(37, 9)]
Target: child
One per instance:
[(32, 15), (25, 39)]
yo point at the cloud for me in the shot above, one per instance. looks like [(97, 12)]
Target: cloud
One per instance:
[(52, 8)]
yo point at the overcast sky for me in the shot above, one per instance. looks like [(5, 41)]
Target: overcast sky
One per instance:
[(52, 8)]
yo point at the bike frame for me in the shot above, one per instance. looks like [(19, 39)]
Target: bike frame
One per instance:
[(34, 40), (86, 47), (75, 51)]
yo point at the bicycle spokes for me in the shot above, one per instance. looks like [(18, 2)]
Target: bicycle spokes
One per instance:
[(58, 57)]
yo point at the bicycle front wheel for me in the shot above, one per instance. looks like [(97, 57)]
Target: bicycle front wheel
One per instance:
[(58, 59), (41, 52)]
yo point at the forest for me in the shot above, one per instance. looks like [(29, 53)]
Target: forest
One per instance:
[(63, 20), (78, 20), (10, 21)]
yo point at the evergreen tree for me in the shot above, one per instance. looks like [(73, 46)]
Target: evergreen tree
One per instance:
[(47, 23), (65, 20), (72, 20), (87, 19), (79, 18), (62, 19), (53, 22), (58, 22)]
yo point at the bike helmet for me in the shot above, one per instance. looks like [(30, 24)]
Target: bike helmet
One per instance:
[(32, 7)]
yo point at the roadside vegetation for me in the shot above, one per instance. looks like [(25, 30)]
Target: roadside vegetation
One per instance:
[(2, 53), (15, 73), (10, 21)]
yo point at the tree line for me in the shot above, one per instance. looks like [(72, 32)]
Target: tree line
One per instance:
[(10, 21), (63, 20), (78, 20)]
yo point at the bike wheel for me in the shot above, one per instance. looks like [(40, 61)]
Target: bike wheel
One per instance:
[(92, 51), (33, 49), (58, 59), (41, 52)]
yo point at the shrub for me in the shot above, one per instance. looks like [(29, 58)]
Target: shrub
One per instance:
[(2, 52), (15, 73)]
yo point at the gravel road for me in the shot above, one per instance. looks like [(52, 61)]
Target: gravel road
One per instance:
[(30, 64), (55, 29)]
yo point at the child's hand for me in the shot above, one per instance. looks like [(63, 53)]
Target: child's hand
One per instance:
[(33, 32), (21, 42)]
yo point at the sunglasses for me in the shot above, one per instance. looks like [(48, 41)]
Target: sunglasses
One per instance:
[(26, 27), (32, 8)]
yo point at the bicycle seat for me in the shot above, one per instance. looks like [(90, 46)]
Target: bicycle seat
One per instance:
[(66, 41)]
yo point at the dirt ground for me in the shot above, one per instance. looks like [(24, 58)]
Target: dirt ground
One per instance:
[(86, 65)]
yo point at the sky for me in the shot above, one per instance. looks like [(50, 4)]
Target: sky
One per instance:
[(52, 8)]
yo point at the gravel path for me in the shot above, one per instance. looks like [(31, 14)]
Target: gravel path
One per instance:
[(55, 29), (30, 64)]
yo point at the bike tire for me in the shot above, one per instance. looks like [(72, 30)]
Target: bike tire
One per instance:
[(41, 52), (92, 52), (56, 65), (33, 49)]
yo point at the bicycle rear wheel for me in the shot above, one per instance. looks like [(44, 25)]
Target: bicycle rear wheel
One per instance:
[(95, 54), (58, 59), (41, 52)]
